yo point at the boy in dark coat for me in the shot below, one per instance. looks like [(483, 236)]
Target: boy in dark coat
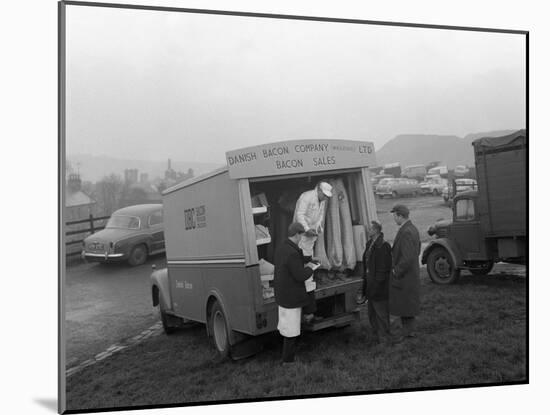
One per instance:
[(377, 262), (290, 291)]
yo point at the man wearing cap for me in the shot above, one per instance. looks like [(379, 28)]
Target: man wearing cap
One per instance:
[(405, 278), (310, 212), (376, 278), (290, 291)]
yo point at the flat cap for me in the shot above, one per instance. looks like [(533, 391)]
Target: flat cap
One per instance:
[(401, 210)]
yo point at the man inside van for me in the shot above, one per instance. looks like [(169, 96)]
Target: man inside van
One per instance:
[(310, 213)]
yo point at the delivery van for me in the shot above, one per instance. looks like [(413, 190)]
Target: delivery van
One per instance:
[(222, 229)]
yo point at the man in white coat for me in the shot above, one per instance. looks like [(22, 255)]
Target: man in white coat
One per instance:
[(310, 213)]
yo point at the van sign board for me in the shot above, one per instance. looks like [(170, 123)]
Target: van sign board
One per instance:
[(299, 156)]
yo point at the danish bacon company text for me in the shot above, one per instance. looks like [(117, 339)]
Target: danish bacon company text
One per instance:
[(241, 158)]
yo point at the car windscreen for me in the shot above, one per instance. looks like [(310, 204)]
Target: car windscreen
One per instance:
[(123, 222)]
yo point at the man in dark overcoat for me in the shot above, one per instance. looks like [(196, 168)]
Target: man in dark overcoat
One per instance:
[(376, 279), (290, 275), (405, 278)]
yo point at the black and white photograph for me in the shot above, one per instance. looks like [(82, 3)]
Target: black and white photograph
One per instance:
[(270, 206)]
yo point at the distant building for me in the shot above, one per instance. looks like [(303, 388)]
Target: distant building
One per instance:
[(171, 177), (143, 178), (130, 176), (78, 205)]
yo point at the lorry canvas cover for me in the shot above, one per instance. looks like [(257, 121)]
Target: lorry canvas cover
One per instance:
[(492, 142)]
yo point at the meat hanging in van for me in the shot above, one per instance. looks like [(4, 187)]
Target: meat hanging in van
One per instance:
[(341, 248)]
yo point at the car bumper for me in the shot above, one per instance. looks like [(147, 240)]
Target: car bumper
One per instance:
[(105, 257)]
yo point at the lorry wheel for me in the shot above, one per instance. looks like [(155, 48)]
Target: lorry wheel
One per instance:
[(138, 256), (441, 268), (484, 269), (164, 319), (219, 330)]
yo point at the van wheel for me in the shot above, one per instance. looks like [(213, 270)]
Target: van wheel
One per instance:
[(164, 318), (219, 330), (441, 267), (138, 256)]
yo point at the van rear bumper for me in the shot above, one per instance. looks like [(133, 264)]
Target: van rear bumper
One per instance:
[(336, 321)]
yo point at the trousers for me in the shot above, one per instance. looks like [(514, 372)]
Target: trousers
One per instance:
[(379, 318)]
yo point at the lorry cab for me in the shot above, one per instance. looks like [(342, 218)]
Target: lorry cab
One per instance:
[(223, 228)]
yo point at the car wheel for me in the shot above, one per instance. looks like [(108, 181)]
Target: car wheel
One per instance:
[(164, 318), (441, 267), (394, 195), (138, 256), (484, 269), (219, 330)]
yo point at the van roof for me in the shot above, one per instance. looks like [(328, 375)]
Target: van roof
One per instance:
[(194, 180)]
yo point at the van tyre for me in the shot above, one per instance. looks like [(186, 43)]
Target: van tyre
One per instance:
[(138, 256), (165, 319), (220, 331), (441, 267)]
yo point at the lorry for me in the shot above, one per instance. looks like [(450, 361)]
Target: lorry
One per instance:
[(488, 224), (417, 172), (222, 228), (393, 169)]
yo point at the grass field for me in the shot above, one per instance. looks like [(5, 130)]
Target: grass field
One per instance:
[(473, 332)]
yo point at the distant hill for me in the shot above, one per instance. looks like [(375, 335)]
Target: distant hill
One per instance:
[(450, 150), (94, 168)]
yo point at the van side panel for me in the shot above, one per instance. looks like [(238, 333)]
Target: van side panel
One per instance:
[(203, 221), (231, 283), (187, 289)]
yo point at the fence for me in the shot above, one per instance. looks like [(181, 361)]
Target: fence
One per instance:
[(93, 227)]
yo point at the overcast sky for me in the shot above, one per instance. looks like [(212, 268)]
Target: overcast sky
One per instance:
[(151, 85)]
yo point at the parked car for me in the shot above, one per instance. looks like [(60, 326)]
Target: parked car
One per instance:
[(376, 179), (461, 186), (433, 185), (131, 234), (397, 187)]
